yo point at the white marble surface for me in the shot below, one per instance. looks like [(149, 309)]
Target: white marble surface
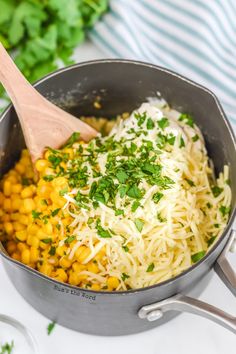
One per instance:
[(186, 334)]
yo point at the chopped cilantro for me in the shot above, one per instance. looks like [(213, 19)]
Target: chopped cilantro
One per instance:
[(52, 251), (73, 139), (216, 191), (211, 241), (125, 248), (124, 276), (36, 214), (182, 143), (190, 182), (134, 192), (160, 218), (140, 118), (135, 206), (63, 191), (171, 140), (48, 178), (25, 181), (101, 231), (47, 240), (139, 224), (224, 210), (150, 268), (150, 124), (51, 327), (119, 212), (195, 138), (70, 239), (217, 226), (122, 176), (157, 197), (187, 119), (163, 123), (209, 205), (197, 256), (55, 212)]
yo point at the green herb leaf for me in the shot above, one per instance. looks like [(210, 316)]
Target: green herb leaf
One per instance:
[(150, 124), (125, 248), (224, 210), (70, 239), (36, 214), (7, 348), (182, 143), (209, 205), (139, 224), (124, 276), (187, 118), (150, 268), (55, 212), (47, 240), (134, 192), (135, 206), (197, 256), (63, 191), (163, 123), (48, 178), (171, 140), (121, 176), (52, 251), (190, 182), (195, 138), (119, 212), (157, 197), (101, 231), (211, 241), (51, 327), (216, 191), (73, 139)]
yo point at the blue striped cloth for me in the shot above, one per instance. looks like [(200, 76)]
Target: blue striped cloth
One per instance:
[(196, 38)]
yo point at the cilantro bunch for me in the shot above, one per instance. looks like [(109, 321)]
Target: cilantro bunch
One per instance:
[(42, 34)]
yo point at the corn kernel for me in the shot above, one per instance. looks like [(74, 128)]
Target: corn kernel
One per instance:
[(41, 164), (47, 228), (44, 190), (96, 287), (65, 262), (11, 247), (26, 192), (28, 205), (34, 254), (74, 279), (32, 241), (6, 217), (25, 256), (1, 198), (61, 275), (18, 226), (82, 253), (112, 283), (16, 256), (7, 204), (77, 267), (20, 168), (21, 246), (16, 204), (8, 227), (24, 219), (16, 188), (7, 188), (93, 268), (46, 269), (61, 250), (21, 235)]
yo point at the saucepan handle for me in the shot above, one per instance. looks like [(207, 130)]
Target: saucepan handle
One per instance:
[(184, 303)]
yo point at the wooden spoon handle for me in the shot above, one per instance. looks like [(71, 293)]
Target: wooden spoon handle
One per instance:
[(17, 87)]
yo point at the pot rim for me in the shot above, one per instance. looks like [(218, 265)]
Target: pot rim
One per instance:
[(233, 213)]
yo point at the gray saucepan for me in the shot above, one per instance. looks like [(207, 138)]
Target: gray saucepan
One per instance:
[(122, 86)]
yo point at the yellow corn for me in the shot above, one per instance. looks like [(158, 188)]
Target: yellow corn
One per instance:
[(65, 262), (25, 256), (112, 283), (7, 188), (8, 227), (28, 205)]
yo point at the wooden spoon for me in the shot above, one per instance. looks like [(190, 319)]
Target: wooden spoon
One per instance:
[(43, 123)]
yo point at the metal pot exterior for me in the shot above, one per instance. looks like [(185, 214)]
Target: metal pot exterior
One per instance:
[(121, 86)]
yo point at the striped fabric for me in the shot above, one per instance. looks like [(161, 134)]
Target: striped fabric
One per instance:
[(196, 38)]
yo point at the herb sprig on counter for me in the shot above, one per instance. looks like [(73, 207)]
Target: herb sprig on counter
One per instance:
[(7, 348)]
